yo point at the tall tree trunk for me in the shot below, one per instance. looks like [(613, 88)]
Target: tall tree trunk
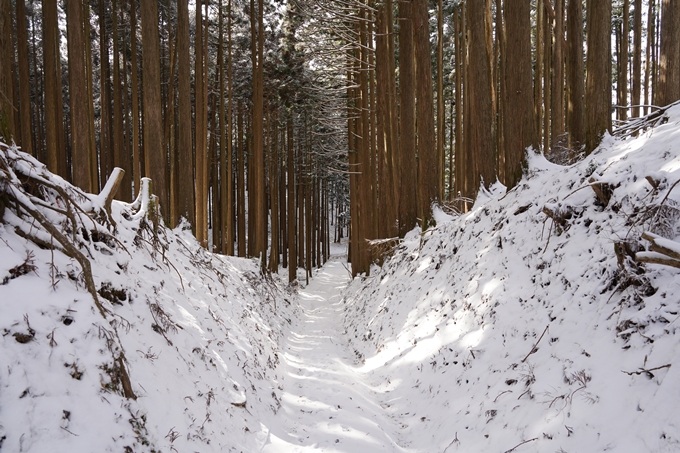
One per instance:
[(637, 58), (499, 83), (480, 143), (459, 186), (385, 104), (623, 63), (290, 166), (201, 167), (38, 93), (557, 108), (185, 156), (408, 201), (241, 190), (283, 206), (106, 126), (54, 124), (224, 189), (575, 102), (392, 128), (170, 132), (94, 167), (649, 55), (538, 71), (24, 80), (155, 161), (441, 113), (230, 170), (428, 160), (79, 99), (120, 158), (274, 190), (259, 215), (7, 109), (669, 58), (547, 75), (137, 163), (518, 113), (598, 78)]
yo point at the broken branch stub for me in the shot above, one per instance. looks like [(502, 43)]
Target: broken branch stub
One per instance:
[(603, 191), (662, 251)]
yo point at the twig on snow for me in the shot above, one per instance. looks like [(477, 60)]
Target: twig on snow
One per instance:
[(520, 444), (648, 370), (534, 348)]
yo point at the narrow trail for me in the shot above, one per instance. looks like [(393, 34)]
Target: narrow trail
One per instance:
[(326, 405)]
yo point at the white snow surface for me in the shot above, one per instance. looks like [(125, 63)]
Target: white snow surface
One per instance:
[(498, 330)]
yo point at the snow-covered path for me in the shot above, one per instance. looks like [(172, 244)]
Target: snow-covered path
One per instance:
[(326, 405)]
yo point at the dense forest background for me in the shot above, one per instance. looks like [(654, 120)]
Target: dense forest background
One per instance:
[(276, 127)]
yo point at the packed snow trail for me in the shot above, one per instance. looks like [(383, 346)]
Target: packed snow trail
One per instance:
[(325, 406)]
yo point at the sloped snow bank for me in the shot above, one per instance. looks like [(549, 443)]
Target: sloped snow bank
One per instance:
[(507, 330), (199, 350)]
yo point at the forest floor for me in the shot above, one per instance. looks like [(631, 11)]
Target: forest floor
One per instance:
[(326, 404)]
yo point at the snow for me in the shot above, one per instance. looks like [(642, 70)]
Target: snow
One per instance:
[(497, 330)]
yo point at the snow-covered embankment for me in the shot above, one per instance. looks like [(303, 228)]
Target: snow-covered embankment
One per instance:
[(516, 324)]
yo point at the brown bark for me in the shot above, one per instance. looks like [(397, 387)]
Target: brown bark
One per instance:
[(170, 132), (623, 63), (8, 130), (637, 58), (499, 83), (24, 80), (292, 246), (120, 157), (94, 167), (547, 77), (283, 206), (230, 214), (538, 72), (137, 163), (79, 99), (428, 160), (106, 127), (408, 176), (155, 161), (224, 189), (186, 199), (598, 78), (441, 113), (274, 191), (201, 107), (460, 149), (480, 143), (241, 191), (649, 55), (520, 131), (259, 214), (557, 108), (54, 127), (576, 91), (669, 57)]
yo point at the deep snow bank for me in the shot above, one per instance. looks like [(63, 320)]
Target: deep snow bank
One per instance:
[(445, 329), (200, 350)]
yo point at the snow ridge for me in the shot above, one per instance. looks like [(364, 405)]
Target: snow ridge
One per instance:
[(200, 349), (506, 329)]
